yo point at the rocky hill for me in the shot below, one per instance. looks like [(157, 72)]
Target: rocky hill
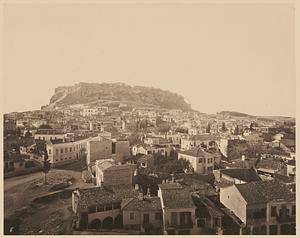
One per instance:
[(234, 114), (107, 93)]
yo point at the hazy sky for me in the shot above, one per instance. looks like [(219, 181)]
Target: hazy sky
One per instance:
[(219, 57)]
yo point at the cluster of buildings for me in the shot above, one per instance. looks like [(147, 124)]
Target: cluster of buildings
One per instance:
[(223, 190)]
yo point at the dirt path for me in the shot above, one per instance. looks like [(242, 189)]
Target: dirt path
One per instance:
[(18, 195)]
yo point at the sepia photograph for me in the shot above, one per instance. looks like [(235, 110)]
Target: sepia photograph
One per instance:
[(148, 118)]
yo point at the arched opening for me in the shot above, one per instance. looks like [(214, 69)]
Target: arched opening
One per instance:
[(108, 223), (118, 221), (95, 224)]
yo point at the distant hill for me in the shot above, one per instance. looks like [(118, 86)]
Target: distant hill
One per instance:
[(116, 93), (234, 114), (261, 118)]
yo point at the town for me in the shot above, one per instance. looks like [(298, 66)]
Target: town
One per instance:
[(87, 169)]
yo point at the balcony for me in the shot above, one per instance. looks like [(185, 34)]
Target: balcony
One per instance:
[(186, 225), (285, 218)]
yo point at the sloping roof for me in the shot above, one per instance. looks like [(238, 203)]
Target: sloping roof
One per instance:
[(284, 179), (176, 196), (205, 137), (105, 164), (121, 166), (204, 203), (147, 204), (145, 158), (26, 142), (170, 186), (269, 164), (292, 162), (265, 191), (104, 195), (288, 142), (197, 152), (247, 175)]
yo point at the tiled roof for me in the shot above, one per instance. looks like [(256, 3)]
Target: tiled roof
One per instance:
[(176, 196), (284, 179), (205, 137), (147, 204), (247, 175), (197, 152), (170, 186), (101, 195), (105, 164), (292, 162), (120, 167), (204, 203), (288, 142), (224, 183), (264, 191), (145, 158), (269, 163)]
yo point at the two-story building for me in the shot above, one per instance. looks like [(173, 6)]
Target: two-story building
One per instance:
[(110, 174), (201, 161), (144, 214), (100, 207), (264, 207), (178, 209), (64, 151)]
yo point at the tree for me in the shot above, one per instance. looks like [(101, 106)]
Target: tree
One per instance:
[(208, 128), (251, 126), (237, 130), (159, 120), (28, 134), (18, 132), (164, 127), (224, 127), (46, 126), (46, 165)]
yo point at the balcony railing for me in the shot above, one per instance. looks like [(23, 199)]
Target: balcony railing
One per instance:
[(187, 225), (285, 218)]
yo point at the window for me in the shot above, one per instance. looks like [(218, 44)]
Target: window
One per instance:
[(131, 216), (263, 230), (57, 151), (200, 161), (66, 150), (201, 223), (100, 208), (174, 218), (92, 209), (108, 207), (217, 222), (146, 218), (116, 205), (61, 151), (185, 218), (49, 152), (70, 149), (158, 216), (273, 211), (66, 158), (293, 210), (70, 157)]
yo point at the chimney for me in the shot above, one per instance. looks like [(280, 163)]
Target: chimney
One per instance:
[(141, 196), (173, 178), (148, 192)]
